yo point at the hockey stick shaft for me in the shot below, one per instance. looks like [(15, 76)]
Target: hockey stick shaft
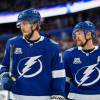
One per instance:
[(11, 66)]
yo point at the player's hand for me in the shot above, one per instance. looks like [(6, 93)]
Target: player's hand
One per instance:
[(6, 82), (57, 97)]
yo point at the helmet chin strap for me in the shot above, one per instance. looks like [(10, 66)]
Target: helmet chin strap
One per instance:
[(85, 41), (32, 32)]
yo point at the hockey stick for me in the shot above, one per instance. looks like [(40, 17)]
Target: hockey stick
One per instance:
[(10, 67)]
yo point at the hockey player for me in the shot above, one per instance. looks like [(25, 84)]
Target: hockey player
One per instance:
[(82, 64), (37, 68)]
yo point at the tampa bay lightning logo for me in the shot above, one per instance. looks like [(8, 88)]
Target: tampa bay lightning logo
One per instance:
[(87, 76), (30, 67)]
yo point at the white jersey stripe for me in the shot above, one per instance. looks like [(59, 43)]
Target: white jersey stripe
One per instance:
[(58, 73), (76, 96)]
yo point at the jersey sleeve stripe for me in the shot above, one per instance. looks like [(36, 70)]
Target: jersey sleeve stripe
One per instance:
[(58, 73)]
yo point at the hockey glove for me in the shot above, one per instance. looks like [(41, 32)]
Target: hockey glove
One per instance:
[(6, 82)]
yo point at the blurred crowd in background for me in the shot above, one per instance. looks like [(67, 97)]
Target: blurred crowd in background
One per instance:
[(58, 28), (16, 5)]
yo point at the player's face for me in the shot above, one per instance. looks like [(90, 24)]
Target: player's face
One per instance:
[(26, 28), (80, 38)]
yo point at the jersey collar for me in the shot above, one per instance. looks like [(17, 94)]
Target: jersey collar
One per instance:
[(41, 39), (80, 48)]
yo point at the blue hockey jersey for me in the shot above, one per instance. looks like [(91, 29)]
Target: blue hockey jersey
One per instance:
[(38, 67), (82, 73)]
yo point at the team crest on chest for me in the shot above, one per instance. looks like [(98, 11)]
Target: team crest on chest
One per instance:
[(30, 67), (88, 75)]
